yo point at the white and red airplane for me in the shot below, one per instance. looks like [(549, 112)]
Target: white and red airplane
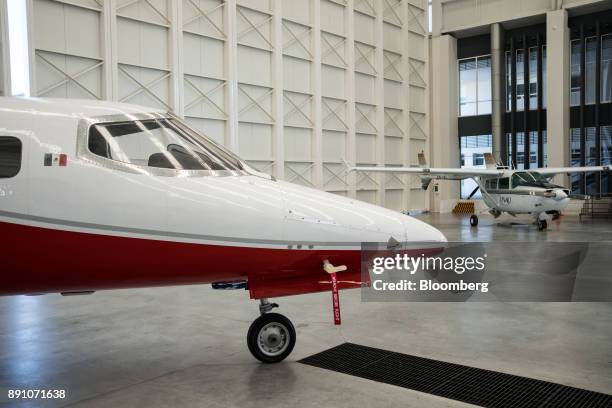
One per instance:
[(103, 195)]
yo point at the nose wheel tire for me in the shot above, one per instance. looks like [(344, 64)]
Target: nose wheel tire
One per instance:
[(474, 220), (271, 338), (542, 225)]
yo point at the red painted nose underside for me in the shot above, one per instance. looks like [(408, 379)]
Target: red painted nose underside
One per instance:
[(42, 260)]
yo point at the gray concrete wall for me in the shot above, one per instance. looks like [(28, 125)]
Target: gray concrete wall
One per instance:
[(497, 94), (557, 90), (455, 15), (444, 107)]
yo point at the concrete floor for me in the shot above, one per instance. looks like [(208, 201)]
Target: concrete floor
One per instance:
[(185, 346)]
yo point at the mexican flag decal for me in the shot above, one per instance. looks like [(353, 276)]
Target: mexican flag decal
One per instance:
[(56, 159)]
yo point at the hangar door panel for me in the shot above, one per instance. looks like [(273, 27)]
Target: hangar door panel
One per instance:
[(294, 87), (68, 53)]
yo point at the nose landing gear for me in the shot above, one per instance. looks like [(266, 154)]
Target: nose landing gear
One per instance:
[(541, 221), (271, 337), (542, 225)]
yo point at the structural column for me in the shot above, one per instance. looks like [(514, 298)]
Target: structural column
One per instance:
[(349, 86), (445, 146), (109, 42), (379, 63), (557, 90), (231, 82), (5, 55), (317, 95), (177, 101), (497, 89), (278, 91)]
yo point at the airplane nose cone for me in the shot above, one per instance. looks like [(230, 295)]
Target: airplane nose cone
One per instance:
[(420, 231), (318, 214), (560, 195)]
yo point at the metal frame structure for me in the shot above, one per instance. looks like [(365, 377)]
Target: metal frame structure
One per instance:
[(593, 114), (530, 118)]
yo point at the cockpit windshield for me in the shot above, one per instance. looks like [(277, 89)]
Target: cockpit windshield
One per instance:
[(161, 143), (528, 178)]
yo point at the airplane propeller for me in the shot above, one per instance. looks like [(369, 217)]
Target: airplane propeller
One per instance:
[(473, 192)]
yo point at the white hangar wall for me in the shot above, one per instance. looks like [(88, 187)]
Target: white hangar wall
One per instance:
[(293, 86), (5, 80)]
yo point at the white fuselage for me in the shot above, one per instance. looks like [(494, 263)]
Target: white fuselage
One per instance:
[(250, 210), (525, 199)]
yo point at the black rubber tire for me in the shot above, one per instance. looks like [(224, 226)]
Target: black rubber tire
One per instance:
[(474, 220), (542, 225), (253, 337)]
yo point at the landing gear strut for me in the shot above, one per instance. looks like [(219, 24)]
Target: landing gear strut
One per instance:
[(271, 337), (542, 225), (474, 220)]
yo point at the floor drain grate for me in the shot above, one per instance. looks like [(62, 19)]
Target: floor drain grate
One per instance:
[(462, 383)]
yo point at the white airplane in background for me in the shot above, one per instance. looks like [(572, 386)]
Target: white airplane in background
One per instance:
[(503, 189), (101, 195)]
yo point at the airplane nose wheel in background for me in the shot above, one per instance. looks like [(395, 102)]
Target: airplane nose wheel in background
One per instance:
[(474, 220), (271, 337), (542, 225)]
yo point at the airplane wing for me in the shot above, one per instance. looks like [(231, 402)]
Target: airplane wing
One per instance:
[(551, 171), (432, 172), (429, 173)]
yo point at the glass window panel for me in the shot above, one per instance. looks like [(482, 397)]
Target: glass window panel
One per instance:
[(484, 85), (543, 76), (467, 87), (575, 159), (520, 81), (590, 147), (10, 157), (591, 160), (533, 78), (533, 149), (575, 74), (590, 70), (509, 149), (606, 68), (520, 150), (545, 149), (508, 82), (472, 156), (475, 86), (606, 145), (606, 156), (503, 183), (162, 143)]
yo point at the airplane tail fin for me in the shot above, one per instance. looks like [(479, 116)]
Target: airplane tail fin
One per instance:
[(422, 160), (425, 181), (490, 161)]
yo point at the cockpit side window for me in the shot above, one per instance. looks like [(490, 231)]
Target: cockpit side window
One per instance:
[(158, 143), (504, 183), (522, 178), (10, 156)]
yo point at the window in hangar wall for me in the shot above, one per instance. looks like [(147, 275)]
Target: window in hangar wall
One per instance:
[(533, 149), (475, 86), (475, 106), (591, 183), (525, 102), (472, 150), (591, 100)]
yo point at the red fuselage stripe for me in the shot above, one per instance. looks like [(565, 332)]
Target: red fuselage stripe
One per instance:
[(40, 260)]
